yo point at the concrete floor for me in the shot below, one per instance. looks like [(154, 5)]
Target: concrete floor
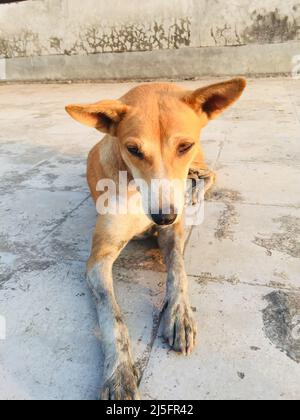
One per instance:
[(243, 261)]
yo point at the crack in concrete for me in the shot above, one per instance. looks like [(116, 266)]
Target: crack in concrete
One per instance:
[(143, 361), (233, 281), (64, 218), (248, 203)]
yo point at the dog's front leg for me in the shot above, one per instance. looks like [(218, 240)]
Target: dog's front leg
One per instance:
[(120, 375), (179, 327)]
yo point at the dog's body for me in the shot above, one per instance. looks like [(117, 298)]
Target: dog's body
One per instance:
[(152, 133)]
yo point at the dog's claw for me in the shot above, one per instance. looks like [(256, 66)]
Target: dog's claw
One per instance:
[(122, 385), (180, 328)]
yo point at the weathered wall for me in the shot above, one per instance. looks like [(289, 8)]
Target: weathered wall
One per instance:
[(50, 28)]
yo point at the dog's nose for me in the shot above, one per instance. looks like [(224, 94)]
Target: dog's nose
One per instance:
[(162, 219)]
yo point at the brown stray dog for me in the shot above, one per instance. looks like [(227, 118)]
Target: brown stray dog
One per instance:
[(152, 133)]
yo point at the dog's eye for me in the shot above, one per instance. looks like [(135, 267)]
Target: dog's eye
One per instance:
[(184, 148), (135, 151)]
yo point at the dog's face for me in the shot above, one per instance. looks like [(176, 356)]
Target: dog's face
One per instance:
[(157, 127)]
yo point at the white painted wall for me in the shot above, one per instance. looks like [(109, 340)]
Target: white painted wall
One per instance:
[(67, 27)]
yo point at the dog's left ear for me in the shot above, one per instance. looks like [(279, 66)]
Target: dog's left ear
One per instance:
[(104, 115), (214, 99)]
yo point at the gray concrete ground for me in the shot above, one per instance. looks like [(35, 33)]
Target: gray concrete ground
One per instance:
[(243, 261)]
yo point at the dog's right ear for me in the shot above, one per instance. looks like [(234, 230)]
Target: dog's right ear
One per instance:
[(104, 116), (213, 100)]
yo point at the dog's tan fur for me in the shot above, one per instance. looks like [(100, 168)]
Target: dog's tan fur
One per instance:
[(160, 121)]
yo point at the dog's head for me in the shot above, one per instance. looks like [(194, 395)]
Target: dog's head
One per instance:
[(157, 127)]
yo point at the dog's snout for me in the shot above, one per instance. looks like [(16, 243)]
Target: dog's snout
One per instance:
[(163, 219)]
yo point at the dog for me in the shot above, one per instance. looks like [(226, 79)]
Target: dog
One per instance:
[(152, 132)]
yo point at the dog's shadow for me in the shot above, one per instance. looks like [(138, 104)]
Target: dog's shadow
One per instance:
[(52, 349)]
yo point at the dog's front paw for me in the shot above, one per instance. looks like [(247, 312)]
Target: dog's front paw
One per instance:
[(208, 178), (122, 385), (180, 328)]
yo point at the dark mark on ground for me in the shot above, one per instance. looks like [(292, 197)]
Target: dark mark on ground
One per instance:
[(254, 348), (229, 217), (281, 320), (36, 265), (205, 278), (277, 285), (30, 266), (51, 178), (287, 241), (143, 255), (227, 220), (241, 375), (224, 195), (67, 249), (14, 180)]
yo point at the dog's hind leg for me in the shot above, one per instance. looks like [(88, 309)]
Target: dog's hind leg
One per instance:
[(111, 236), (179, 327)]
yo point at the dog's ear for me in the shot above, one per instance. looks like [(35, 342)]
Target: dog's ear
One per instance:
[(214, 99), (104, 115)]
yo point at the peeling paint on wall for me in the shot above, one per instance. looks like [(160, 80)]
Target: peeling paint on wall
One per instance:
[(98, 39), (226, 35), (271, 27), (21, 45), (71, 28), (264, 27)]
